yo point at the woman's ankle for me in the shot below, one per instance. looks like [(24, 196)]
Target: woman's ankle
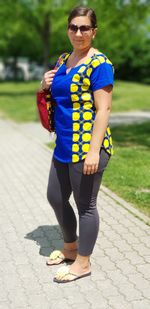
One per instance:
[(84, 261), (70, 246)]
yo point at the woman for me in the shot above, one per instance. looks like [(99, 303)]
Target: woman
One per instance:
[(82, 89)]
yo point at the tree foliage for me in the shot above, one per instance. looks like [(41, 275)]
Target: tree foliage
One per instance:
[(37, 29)]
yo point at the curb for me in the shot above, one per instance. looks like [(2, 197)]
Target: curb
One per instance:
[(126, 205)]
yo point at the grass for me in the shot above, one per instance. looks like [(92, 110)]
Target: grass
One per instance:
[(127, 174), (17, 100), (129, 96)]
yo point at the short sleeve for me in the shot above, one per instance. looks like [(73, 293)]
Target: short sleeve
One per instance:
[(102, 75)]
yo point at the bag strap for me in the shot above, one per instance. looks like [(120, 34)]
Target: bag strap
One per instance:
[(62, 59)]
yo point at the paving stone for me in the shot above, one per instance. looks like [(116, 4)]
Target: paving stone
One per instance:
[(73, 299), (11, 282), (118, 302), (98, 251), (146, 292), (120, 229), (3, 294), (137, 231), (131, 238), (141, 304), (104, 243), (59, 304), (106, 263), (96, 299), (110, 291), (18, 298), (101, 304), (145, 270), (38, 300), (134, 257), (130, 292), (122, 245), (139, 281), (142, 249), (52, 292), (126, 222), (4, 305), (112, 236), (145, 240), (126, 267), (147, 259), (97, 273), (114, 254), (117, 277), (81, 305)]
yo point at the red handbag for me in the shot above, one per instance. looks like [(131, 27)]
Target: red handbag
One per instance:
[(46, 107), (45, 103)]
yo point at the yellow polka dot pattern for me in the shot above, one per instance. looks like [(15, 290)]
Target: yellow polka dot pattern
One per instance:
[(84, 110)]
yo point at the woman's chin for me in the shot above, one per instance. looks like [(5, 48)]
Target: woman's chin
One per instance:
[(78, 45)]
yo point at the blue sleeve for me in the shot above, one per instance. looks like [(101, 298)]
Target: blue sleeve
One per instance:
[(102, 76)]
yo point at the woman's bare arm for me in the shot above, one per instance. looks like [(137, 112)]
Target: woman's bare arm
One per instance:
[(103, 103)]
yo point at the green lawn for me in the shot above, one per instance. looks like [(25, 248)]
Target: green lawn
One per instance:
[(129, 96), (17, 100), (127, 174)]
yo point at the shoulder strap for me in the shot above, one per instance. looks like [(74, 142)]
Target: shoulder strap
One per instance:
[(61, 59)]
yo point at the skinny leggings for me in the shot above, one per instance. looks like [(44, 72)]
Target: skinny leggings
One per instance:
[(65, 178)]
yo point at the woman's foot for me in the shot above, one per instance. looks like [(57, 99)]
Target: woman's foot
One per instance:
[(79, 269), (60, 256)]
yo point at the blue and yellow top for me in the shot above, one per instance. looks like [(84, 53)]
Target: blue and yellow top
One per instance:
[(75, 110)]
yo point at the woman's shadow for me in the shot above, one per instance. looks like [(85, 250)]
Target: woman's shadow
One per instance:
[(48, 238)]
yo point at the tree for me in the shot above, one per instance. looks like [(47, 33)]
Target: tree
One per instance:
[(37, 29)]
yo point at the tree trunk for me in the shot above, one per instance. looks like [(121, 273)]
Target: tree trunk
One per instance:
[(46, 31), (14, 67)]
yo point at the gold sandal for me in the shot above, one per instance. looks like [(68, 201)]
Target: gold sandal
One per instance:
[(58, 256), (64, 272)]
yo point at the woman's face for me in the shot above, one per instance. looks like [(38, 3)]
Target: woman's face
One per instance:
[(79, 38)]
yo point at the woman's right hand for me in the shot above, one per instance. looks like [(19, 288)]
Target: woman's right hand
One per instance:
[(48, 79)]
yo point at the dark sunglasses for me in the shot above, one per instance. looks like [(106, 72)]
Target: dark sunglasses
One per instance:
[(83, 29)]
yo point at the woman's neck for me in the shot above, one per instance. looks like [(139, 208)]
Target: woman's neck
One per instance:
[(79, 54)]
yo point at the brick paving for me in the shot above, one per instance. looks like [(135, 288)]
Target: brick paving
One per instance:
[(29, 232)]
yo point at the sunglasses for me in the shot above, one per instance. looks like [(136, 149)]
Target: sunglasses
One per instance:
[(83, 29)]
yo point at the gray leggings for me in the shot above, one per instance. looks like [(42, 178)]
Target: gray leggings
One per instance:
[(65, 178)]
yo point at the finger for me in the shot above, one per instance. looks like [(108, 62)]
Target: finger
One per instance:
[(93, 169), (84, 168), (89, 169), (48, 80), (52, 71), (49, 75)]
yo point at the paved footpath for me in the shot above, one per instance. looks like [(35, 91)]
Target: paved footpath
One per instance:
[(29, 232)]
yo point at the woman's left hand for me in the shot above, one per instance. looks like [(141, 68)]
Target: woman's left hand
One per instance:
[(91, 162)]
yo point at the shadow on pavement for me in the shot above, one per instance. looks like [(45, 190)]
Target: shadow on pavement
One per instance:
[(47, 237)]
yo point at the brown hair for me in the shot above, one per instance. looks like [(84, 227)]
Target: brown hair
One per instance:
[(83, 11)]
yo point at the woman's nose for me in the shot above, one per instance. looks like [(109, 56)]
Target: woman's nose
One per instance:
[(78, 33)]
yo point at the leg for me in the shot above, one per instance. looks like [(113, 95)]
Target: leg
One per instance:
[(58, 193), (85, 189)]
